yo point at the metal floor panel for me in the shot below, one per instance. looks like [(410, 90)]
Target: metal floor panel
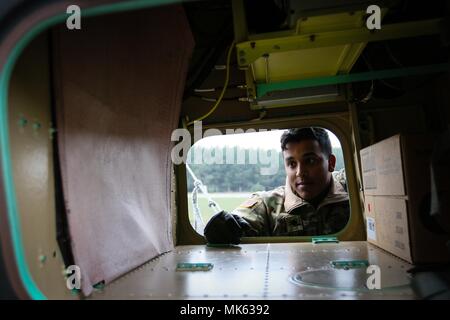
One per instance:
[(264, 271)]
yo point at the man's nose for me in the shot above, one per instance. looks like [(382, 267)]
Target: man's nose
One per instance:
[(301, 171)]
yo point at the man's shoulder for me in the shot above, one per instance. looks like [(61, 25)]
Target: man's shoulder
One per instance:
[(340, 181), (261, 200), (270, 194)]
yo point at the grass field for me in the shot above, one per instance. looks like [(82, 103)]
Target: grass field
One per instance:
[(226, 201)]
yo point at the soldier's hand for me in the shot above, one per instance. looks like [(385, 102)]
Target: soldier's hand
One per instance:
[(225, 228), (245, 226)]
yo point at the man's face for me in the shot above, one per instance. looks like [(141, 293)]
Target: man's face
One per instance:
[(308, 168)]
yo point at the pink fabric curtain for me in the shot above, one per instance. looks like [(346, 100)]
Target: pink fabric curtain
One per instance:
[(119, 83)]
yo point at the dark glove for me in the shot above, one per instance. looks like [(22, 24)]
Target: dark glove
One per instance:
[(225, 228)]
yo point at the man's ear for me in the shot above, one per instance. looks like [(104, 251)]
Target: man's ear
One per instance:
[(331, 162)]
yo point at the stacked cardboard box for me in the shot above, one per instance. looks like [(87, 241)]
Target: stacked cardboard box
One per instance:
[(396, 178)]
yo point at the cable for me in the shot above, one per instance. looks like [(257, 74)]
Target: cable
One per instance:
[(262, 114), (391, 55), (202, 67), (214, 99), (234, 86), (369, 94), (387, 84), (227, 78)]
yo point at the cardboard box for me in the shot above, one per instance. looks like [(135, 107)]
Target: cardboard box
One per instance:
[(396, 179)]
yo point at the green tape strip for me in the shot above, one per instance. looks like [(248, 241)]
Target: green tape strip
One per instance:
[(99, 286), (187, 266), (318, 240), (349, 264), (13, 217)]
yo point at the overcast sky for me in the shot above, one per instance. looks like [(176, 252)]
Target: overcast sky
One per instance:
[(258, 140)]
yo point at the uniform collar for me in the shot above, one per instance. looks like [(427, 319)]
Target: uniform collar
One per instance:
[(293, 201)]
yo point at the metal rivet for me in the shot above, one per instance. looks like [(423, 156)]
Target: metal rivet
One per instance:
[(22, 122), (36, 126), (51, 132), (42, 258)]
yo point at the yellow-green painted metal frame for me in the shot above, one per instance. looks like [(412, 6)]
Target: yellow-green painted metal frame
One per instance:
[(340, 124), (249, 51), (322, 61)]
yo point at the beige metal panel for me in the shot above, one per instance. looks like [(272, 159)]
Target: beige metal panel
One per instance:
[(264, 271), (31, 152)]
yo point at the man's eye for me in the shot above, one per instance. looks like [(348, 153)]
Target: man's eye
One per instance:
[(292, 164), (311, 161)]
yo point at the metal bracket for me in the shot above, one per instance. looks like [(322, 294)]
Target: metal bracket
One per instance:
[(249, 51), (194, 266), (318, 240), (349, 264)]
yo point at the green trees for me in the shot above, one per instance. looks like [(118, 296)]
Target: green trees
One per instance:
[(232, 176)]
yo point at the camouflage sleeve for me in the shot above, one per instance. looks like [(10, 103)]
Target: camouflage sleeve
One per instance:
[(254, 211)]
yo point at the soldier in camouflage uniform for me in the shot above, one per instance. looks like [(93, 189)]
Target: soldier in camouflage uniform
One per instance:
[(314, 200)]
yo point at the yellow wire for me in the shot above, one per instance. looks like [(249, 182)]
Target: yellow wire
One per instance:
[(227, 78)]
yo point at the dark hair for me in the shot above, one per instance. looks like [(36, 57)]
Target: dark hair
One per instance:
[(309, 133)]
